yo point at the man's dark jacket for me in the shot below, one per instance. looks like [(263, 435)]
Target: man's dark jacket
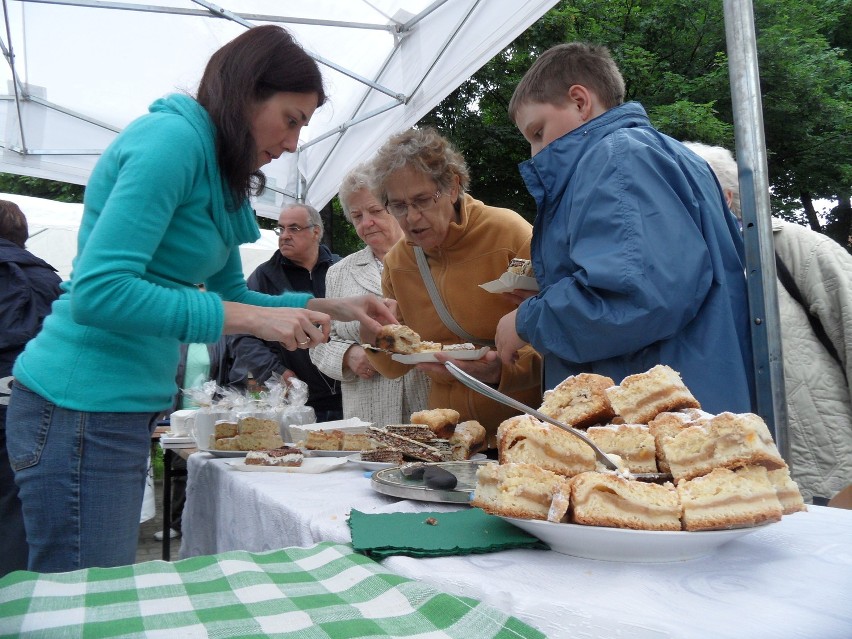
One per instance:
[(262, 358), (28, 286)]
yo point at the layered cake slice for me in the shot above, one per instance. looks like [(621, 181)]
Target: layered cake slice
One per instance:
[(398, 338), (467, 440), (289, 457), (442, 421), (641, 397), (606, 499), (521, 490), (634, 443), (384, 454), (579, 400), (526, 440), (727, 440), (669, 425), (787, 491), (417, 432), (729, 499), (324, 440)]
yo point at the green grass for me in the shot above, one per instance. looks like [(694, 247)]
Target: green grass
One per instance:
[(157, 463)]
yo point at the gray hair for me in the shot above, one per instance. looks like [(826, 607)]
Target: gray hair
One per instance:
[(423, 150), (314, 216), (722, 161), (356, 180)]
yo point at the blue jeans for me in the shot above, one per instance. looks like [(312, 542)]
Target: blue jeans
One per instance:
[(81, 477)]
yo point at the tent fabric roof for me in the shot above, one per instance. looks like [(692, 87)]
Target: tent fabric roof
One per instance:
[(82, 70)]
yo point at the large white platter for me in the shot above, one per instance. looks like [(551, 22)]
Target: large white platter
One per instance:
[(417, 358), (623, 544), (311, 465)]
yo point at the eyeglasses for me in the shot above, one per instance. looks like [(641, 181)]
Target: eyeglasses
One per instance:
[(422, 204), (292, 228)]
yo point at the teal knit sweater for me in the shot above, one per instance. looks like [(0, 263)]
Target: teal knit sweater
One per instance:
[(154, 225)]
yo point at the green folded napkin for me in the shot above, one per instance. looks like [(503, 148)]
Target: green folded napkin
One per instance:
[(431, 534)]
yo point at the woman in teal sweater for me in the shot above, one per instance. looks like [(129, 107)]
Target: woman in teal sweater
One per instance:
[(166, 207)]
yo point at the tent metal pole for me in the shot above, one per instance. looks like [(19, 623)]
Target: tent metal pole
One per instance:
[(756, 214)]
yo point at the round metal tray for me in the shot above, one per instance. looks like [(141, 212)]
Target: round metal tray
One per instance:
[(391, 481)]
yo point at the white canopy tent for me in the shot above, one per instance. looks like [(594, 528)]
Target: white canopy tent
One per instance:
[(81, 70)]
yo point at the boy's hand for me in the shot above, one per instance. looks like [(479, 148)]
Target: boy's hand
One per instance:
[(507, 341)]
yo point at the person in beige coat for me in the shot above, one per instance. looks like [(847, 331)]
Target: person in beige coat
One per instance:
[(818, 385), (366, 394)]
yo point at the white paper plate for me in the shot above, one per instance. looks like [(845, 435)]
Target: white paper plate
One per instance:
[(417, 358), (623, 544), (310, 465), (224, 453), (371, 465), (509, 282)]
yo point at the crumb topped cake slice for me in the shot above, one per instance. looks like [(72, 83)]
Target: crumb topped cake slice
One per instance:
[(605, 499), (727, 440), (634, 443), (579, 400), (641, 397), (398, 338), (787, 491), (526, 440), (442, 421), (521, 490), (729, 499)]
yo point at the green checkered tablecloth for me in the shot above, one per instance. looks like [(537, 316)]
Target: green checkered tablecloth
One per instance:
[(327, 591)]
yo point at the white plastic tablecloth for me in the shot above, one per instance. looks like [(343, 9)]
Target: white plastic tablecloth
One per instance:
[(790, 580)]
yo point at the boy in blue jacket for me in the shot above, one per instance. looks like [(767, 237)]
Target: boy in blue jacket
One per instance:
[(638, 260)]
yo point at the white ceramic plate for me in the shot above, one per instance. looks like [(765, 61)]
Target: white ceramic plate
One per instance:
[(416, 358), (328, 453), (623, 544), (224, 453), (371, 465), (311, 465)]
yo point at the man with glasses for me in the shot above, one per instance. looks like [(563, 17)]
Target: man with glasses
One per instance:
[(299, 264)]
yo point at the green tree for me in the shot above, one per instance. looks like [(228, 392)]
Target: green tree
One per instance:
[(37, 187), (672, 54)]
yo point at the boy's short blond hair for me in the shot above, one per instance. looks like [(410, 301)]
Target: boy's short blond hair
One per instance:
[(559, 68)]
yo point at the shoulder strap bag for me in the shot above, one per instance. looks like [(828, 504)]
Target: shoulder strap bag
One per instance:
[(443, 313)]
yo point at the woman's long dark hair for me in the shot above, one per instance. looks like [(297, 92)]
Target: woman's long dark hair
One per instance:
[(260, 62)]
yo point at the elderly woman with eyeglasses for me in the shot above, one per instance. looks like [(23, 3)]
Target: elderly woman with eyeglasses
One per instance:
[(422, 181), (366, 393)]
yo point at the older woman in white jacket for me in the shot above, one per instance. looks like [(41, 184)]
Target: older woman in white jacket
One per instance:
[(366, 394)]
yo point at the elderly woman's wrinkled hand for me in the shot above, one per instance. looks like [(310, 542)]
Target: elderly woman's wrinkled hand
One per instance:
[(486, 369), (507, 340), (357, 361)]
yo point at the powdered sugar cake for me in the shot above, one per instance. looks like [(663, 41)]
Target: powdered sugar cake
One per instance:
[(521, 490), (526, 440), (641, 397), (579, 400), (727, 440)]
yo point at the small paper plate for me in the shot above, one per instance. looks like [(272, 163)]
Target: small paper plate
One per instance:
[(417, 358), (310, 465), (508, 282)]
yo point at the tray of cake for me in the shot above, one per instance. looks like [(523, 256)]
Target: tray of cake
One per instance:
[(728, 478)]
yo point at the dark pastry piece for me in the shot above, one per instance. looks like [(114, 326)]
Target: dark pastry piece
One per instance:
[(439, 479)]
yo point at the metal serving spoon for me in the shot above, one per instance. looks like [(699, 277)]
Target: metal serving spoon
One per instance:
[(485, 389)]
